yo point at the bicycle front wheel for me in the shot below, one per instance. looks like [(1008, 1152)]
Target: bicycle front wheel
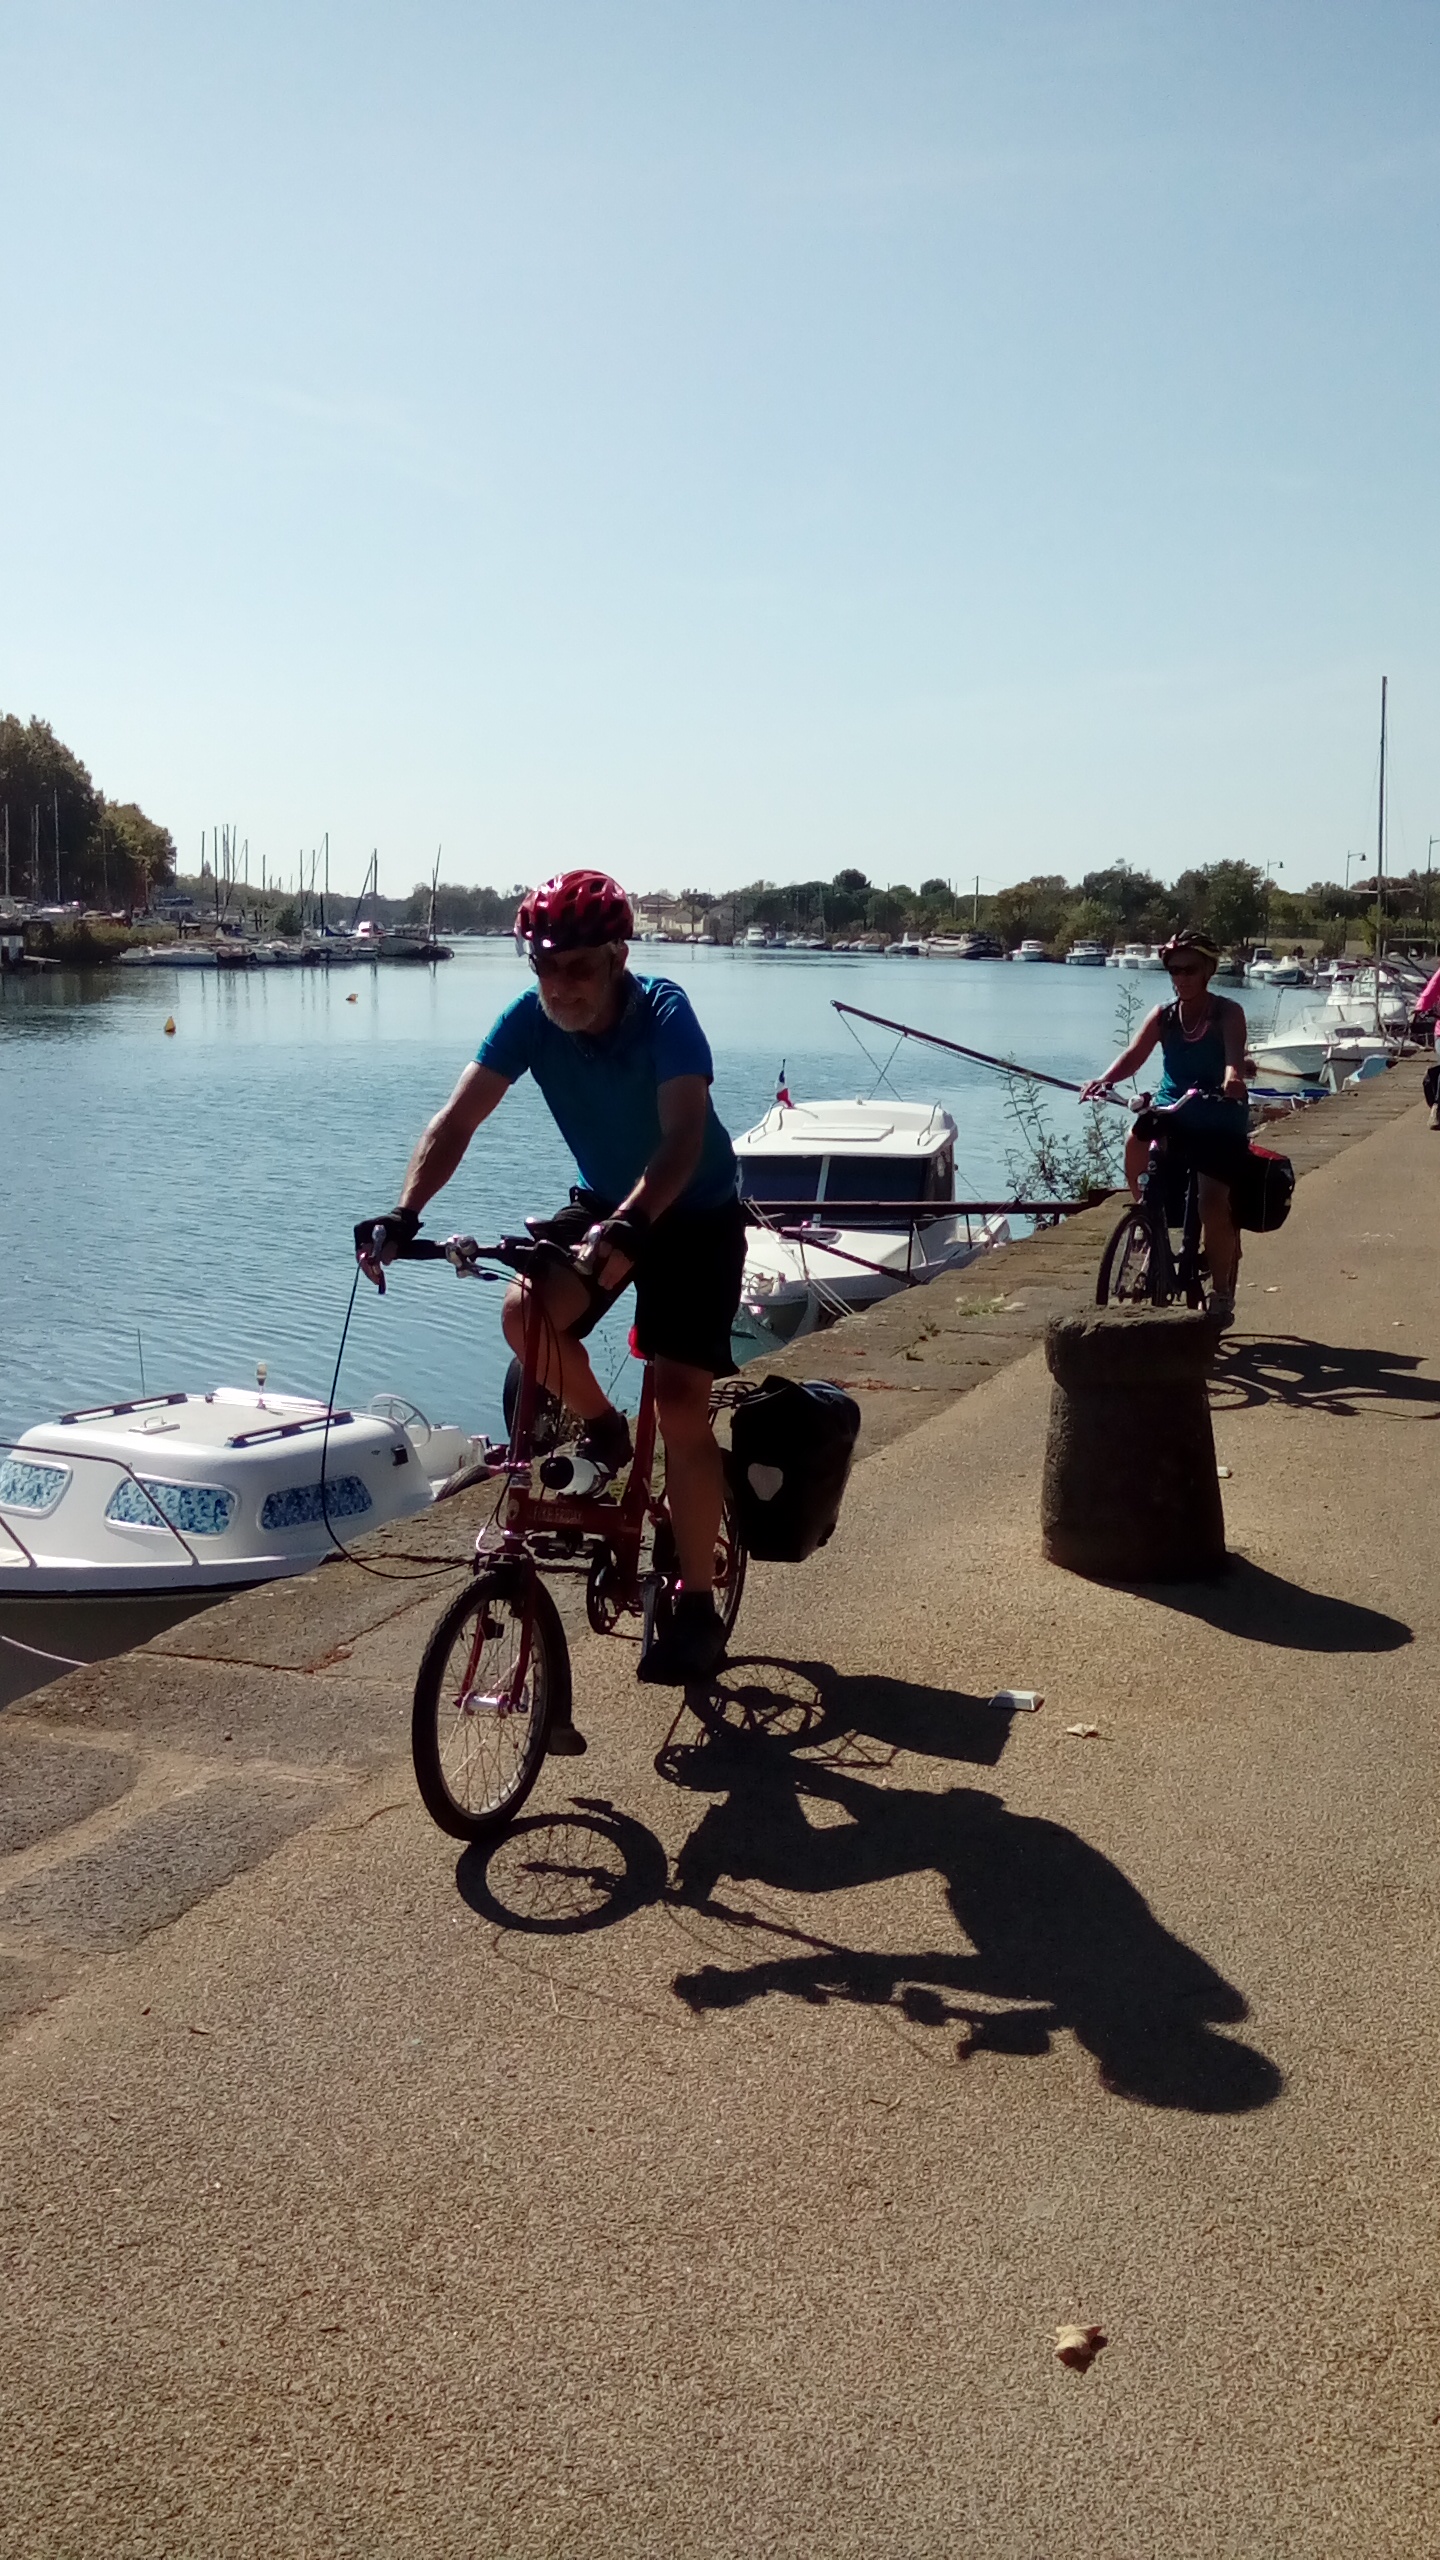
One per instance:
[(494, 1679), (1134, 1267)]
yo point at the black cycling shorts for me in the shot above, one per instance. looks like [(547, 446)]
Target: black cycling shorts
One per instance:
[(686, 1282)]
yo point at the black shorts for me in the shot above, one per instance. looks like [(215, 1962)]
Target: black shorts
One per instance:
[(687, 1281)]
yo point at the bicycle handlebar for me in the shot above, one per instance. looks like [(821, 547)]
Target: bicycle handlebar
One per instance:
[(464, 1254)]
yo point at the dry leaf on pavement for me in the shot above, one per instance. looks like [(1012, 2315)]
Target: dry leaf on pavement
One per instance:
[(1078, 2347)]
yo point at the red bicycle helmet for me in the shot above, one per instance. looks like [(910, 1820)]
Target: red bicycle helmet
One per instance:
[(573, 912)]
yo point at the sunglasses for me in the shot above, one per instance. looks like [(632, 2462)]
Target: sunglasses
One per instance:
[(573, 968), (1185, 968)]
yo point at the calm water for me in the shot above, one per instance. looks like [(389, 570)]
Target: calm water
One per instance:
[(200, 1190)]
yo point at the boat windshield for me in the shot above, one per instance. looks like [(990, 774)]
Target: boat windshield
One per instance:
[(877, 1178), (782, 1177)]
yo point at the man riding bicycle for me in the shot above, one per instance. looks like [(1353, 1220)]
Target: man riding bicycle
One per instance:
[(626, 1071), (1201, 1038)]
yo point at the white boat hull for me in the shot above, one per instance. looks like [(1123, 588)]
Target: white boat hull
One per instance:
[(176, 1494), (793, 1285)]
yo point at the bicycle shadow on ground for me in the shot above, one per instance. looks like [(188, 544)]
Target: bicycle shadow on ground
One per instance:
[(1246, 1600), (1058, 1934), (859, 1719), (1318, 1377), (562, 1874)]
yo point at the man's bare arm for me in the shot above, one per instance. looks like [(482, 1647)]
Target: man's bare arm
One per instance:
[(442, 1148)]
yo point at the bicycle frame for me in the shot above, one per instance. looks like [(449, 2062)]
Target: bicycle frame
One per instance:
[(619, 1526), (1182, 1272)]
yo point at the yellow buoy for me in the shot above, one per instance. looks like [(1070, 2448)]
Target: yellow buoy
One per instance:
[(170, 1022)]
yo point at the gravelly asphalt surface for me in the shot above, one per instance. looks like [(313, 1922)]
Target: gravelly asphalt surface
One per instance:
[(710, 2169)]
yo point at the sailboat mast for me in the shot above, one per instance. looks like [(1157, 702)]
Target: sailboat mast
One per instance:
[(1380, 854), (434, 883)]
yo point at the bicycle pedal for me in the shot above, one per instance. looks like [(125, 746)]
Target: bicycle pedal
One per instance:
[(566, 1742)]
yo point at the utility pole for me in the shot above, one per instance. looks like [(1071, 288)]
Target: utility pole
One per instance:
[(1429, 863), (7, 851), (975, 913), (55, 808)]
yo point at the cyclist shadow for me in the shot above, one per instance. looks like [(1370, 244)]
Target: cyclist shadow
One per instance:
[(1317, 1377), (1056, 1931)]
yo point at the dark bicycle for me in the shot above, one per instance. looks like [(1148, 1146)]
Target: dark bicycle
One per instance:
[(1140, 1265)]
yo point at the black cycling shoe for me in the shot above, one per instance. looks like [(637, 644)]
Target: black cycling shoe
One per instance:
[(692, 1648), (606, 1442), (566, 1742)]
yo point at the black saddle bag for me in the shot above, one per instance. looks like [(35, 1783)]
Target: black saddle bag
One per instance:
[(1262, 1190), (791, 1444)]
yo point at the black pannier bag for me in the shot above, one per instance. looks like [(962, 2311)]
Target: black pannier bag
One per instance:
[(1262, 1191), (791, 1443)]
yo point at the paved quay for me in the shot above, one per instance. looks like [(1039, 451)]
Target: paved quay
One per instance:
[(710, 2169)]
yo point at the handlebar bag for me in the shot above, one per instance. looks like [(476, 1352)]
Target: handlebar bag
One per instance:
[(1261, 1193), (791, 1445)]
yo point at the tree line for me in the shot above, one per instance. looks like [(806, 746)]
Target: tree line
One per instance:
[(60, 838), (1235, 901)]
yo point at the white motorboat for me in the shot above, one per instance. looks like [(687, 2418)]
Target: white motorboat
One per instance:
[(168, 955), (1030, 950), (1134, 955), (186, 1493), (881, 1178), (1086, 955), (1300, 1052), (756, 939)]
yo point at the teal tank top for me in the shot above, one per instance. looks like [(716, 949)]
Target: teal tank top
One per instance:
[(1194, 1062)]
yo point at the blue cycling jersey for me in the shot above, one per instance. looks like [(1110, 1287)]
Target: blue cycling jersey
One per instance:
[(601, 1088)]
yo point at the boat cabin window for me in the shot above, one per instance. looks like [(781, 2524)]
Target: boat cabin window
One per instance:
[(301, 1506), (783, 1177), (196, 1510), (25, 1486), (878, 1178)]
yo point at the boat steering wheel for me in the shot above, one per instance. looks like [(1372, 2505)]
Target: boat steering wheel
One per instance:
[(399, 1409)]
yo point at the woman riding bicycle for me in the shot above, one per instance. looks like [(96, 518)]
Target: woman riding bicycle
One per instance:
[(1201, 1037)]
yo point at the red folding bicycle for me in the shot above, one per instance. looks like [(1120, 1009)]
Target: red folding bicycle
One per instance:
[(494, 1693)]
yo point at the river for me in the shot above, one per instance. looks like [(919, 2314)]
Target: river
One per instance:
[(188, 1201)]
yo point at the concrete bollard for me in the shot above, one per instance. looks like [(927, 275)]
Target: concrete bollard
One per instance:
[(1130, 1491)]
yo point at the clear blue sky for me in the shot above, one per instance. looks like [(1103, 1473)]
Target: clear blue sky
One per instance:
[(728, 439)]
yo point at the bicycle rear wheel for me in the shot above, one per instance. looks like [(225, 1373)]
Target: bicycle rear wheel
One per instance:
[(1134, 1266), (494, 1679)]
